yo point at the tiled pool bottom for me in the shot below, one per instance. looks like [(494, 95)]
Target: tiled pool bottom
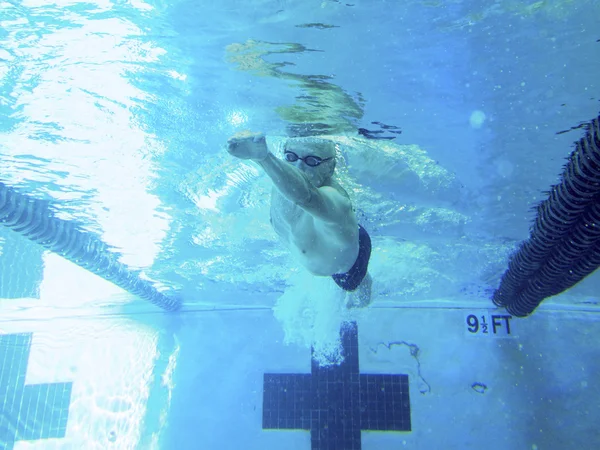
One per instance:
[(29, 412), (205, 379)]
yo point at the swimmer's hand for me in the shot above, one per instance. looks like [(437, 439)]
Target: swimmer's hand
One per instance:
[(248, 145)]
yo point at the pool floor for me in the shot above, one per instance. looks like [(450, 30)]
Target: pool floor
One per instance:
[(424, 377)]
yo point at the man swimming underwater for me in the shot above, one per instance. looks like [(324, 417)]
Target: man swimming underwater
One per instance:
[(310, 211)]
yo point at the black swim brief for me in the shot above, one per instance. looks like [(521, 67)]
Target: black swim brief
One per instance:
[(350, 280)]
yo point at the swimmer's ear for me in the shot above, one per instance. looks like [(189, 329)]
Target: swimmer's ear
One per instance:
[(334, 162)]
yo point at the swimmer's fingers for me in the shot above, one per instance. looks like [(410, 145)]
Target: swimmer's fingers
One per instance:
[(247, 135), (236, 148), (247, 145)]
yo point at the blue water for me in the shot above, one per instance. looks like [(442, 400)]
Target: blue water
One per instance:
[(117, 113)]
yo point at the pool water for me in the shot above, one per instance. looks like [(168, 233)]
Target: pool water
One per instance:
[(452, 120)]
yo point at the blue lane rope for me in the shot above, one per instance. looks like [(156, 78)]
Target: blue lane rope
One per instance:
[(564, 242), (33, 219)]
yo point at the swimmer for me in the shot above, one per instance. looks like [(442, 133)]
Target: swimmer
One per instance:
[(311, 212)]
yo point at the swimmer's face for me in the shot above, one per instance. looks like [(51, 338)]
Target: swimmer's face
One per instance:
[(315, 159)]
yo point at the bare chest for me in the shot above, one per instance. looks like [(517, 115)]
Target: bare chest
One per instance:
[(323, 248), (287, 218)]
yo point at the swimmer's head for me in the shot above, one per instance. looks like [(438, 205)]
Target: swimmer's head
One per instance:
[(313, 156)]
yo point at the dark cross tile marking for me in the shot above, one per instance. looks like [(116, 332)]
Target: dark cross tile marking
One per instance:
[(336, 403), (28, 412)]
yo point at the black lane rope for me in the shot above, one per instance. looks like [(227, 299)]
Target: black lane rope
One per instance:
[(564, 241), (33, 219)]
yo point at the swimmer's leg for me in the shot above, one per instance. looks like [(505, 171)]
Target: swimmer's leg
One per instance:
[(361, 297)]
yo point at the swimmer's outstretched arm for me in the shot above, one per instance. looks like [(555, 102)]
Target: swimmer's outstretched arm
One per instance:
[(325, 203)]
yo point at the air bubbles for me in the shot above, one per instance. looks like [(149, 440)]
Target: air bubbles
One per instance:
[(237, 118), (477, 119)]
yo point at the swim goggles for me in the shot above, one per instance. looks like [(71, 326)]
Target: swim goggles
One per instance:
[(312, 161)]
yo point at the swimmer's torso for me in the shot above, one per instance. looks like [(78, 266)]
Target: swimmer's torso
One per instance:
[(323, 248)]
